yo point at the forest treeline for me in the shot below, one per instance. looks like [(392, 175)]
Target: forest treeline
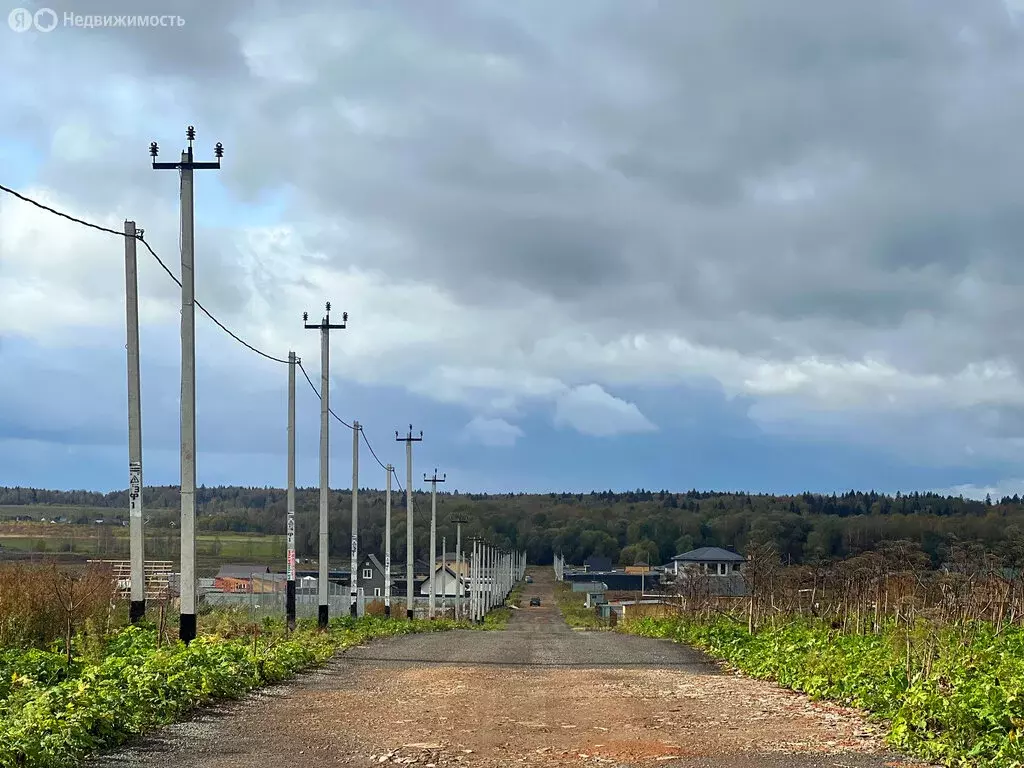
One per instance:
[(626, 526)]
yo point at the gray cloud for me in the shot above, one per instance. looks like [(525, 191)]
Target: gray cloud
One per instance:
[(776, 180)]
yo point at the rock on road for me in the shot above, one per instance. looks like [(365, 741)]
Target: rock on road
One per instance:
[(535, 694)]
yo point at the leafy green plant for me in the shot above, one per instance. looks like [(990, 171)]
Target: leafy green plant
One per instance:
[(53, 713), (964, 706)]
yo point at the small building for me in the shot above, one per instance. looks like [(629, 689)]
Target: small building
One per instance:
[(639, 567), (710, 561), (599, 564), (449, 559), (370, 577), (589, 586), (446, 582), (617, 581), (268, 583), (235, 577)]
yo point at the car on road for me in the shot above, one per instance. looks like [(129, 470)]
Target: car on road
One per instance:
[(534, 601), (529, 579)]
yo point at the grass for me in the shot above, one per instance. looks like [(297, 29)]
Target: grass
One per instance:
[(55, 713), (575, 613), (499, 617), (111, 542)]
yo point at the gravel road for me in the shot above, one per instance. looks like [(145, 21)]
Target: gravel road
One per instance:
[(536, 694)]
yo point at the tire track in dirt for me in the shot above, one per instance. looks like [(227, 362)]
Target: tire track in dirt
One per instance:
[(535, 694)]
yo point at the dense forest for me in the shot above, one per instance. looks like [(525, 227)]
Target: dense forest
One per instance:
[(630, 526)]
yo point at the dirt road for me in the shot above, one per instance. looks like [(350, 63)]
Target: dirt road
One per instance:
[(536, 694)]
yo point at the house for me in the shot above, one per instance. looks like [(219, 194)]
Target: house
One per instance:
[(237, 577), (711, 571), (370, 577), (449, 559), (599, 564), (446, 582), (264, 583), (336, 576), (639, 567), (618, 581), (711, 561)]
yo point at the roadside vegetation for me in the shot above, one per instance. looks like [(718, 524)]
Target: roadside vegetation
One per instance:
[(75, 679), (957, 698), (571, 604), (937, 655)]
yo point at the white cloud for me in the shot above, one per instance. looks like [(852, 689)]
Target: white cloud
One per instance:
[(591, 411), (493, 433), (1008, 487)]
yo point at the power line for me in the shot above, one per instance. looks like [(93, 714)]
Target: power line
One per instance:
[(361, 430), (205, 311), (209, 314), (373, 452), (317, 393), (54, 211), (159, 261), (382, 465)]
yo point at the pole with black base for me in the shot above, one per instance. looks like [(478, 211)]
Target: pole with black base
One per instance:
[(289, 598), (137, 609), (325, 328), (387, 543), (187, 164), (409, 565)]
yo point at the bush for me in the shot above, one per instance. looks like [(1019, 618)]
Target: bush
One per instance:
[(53, 714), (963, 706)]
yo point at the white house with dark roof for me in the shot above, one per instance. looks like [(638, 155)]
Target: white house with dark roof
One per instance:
[(710, 561)]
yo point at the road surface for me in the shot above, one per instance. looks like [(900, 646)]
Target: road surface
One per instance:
[(535, 694)]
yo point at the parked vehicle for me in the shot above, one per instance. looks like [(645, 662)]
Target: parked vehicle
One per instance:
[(534, 601), (529, 579)]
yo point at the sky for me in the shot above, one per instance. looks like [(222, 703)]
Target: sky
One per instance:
[(754, 246)]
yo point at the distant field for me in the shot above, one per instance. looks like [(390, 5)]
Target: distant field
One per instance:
[(111, 541), (44, 510)]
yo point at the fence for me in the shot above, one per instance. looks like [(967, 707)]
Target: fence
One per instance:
[(339, 603)]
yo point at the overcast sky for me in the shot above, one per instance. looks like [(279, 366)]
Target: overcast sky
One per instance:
[(772, 246)]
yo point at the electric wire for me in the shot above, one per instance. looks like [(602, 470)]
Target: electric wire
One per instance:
[(318, 397), (153, 253), (204, 310)]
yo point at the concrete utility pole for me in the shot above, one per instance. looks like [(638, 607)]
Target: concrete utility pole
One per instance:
[(353, 590), (433, 539), (289, 599), (459, 591), (187, 622), (408, 440), (136, 542), (387, 543), (444, 576), (485, 582), (473, 579), (325, 328), (483, 585)]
